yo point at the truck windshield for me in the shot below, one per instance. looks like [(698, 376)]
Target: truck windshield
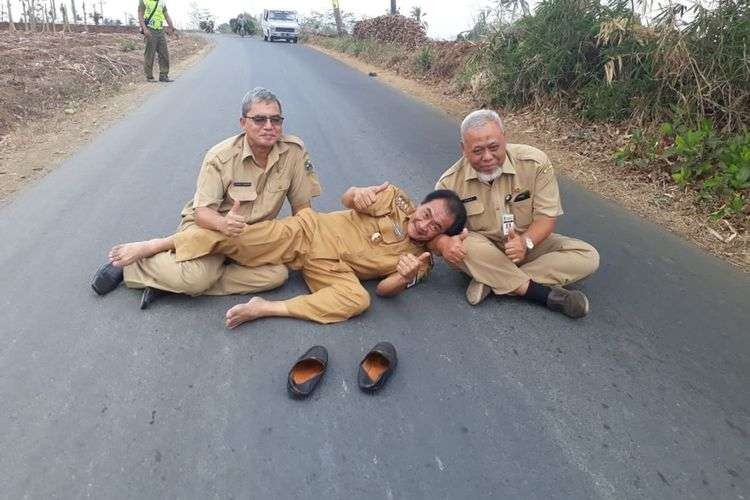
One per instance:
[(282, 15)]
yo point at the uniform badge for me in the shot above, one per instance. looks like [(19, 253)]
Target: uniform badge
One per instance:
[(403, 204), (308, 165), (376, 237)]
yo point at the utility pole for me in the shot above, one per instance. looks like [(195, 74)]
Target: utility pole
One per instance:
[(394, 10)]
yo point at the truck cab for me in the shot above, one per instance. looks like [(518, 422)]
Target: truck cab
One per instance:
[(279, 25)]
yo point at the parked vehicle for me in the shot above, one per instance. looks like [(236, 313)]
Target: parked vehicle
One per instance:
[(279, 25)]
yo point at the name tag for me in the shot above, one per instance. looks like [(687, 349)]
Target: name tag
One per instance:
[(469, 199), (242, 184)]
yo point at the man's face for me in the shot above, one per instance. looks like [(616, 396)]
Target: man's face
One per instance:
[(429, 220), (259, 129), (484, 147)]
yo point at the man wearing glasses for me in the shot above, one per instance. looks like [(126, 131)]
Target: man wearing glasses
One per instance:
[(243, 180)]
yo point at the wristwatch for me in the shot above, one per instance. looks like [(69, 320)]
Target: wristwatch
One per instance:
[(529, 244)]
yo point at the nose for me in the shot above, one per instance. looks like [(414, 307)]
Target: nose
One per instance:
[(487, 155)]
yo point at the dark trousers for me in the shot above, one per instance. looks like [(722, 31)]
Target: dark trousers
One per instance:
[(156, 44)]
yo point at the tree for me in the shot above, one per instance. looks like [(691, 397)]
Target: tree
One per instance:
[(66, 21), (337, 17), (394, 9), (418, 15), (11, 25), (73, 11)]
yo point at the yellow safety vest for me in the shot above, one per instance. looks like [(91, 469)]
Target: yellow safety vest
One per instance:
[(157, 20)]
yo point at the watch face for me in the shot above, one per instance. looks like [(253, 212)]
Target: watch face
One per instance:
[(529, 243)]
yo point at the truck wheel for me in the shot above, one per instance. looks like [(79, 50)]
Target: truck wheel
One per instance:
[(294, 40)]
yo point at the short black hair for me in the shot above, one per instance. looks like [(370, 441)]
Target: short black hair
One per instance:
[(455, 207)]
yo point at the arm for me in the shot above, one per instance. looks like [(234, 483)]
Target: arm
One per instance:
[(142, 18), (230, 224), (405, 275), (169, 20)]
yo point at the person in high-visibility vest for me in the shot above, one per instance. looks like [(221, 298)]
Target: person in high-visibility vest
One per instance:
[(152, 15)]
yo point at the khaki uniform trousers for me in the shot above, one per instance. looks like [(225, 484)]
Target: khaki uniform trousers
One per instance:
[(558, 260), (209, 275), (156, 44), (337, 293)]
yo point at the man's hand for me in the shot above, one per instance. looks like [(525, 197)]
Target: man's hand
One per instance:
[(408, 265), (515, 247), (146, 32), (453, 249), (234, 223), (364, 197)]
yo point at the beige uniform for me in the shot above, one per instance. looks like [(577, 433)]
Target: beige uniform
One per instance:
[(558, 260), (333, 250), (229, 173)]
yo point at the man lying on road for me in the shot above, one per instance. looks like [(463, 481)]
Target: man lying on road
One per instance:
[(496, 180), (381, 235), (258, 168)]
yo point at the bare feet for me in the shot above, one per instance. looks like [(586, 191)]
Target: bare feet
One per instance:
[(127, 253), (251, 310)]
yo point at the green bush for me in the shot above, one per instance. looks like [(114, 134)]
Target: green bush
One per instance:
[(128, 45), (717, 167), (424, 60)]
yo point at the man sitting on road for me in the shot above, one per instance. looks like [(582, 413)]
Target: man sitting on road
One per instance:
[(252, 172), (381, 235), (495, 180)]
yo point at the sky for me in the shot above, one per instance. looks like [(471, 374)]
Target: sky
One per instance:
[(445, 19)]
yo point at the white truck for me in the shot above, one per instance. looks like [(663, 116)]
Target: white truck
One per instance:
[(279, 25)]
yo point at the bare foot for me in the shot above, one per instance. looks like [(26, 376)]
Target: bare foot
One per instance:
[(127, 253), (251, 310)]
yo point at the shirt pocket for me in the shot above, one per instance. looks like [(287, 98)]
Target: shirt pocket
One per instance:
[(242, 192), (475, 216), (522, 213)]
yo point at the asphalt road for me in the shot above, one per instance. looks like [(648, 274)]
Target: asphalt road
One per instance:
[(645, 398)]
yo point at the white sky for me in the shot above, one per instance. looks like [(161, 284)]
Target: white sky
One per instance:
[(445, 18)]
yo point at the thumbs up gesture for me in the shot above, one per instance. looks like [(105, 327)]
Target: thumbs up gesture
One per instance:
[(233, 223), (452, 248), (366, 196), (408, 265), (515, 247)]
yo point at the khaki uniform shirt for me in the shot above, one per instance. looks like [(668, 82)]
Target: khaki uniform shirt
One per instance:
[(229, 173), (526, 171), (371, 242)]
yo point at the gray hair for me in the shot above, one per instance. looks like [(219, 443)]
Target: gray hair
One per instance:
[(480, 117), (258, 94)]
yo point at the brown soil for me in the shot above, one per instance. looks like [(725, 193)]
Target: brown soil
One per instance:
[(58, 91), (584, 153)]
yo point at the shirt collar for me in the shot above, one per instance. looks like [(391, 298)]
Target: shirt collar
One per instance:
[(273, 156)]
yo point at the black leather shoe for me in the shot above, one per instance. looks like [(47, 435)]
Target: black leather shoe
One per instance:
[(150, 295), (106, 279), (307, 372), (377, 366), (165, 79)]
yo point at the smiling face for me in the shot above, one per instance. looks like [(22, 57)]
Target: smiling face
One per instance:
[(263, 134), (484, 148), (429, 220)]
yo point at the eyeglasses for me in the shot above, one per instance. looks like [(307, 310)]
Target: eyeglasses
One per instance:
[(261, 120)]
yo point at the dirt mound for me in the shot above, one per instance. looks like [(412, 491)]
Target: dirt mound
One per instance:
[(393, 29), (43, 73)]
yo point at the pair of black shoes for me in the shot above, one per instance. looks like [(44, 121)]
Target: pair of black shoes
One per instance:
[(374, 370), (109, 277)]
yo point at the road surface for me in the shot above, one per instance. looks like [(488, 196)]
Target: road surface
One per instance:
[(648, 397)]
